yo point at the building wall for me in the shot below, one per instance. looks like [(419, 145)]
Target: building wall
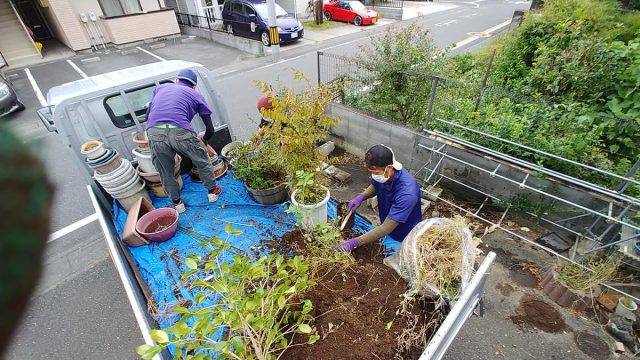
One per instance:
[(55, 25), (68, 20), (64, 18), (128, 29)]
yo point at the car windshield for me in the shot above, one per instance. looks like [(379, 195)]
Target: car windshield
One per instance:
[(261, 9), (356, 5)]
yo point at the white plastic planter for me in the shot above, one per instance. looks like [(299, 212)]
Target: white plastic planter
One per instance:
[(144, 161), (312, 214), (623, 310), (93, 149)]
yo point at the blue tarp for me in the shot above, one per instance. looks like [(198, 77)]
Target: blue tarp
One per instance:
[(162, 264)]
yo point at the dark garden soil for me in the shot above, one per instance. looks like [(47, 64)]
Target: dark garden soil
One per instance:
[(592, 345), (526, 274), (356, 309), (535, 313)]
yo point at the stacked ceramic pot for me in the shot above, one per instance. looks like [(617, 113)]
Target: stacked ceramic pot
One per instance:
[(219, 166), (146, 170), (115, 174)]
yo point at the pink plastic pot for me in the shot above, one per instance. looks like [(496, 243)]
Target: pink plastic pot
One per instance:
[(158, 225)]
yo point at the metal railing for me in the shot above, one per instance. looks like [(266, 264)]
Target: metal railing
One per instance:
[(597, 219), (397, 4), (211, 23)]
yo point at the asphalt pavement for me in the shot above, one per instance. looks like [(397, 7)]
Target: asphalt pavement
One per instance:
[(80, 304)]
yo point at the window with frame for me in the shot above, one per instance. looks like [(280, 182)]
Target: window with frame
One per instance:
[(248, 10), (120, 7), (139, 100)]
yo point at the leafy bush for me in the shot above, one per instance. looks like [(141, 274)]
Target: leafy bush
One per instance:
[(258, 166), (259, 308)]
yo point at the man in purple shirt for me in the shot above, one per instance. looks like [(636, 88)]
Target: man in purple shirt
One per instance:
[(398, 198), (169, 130)]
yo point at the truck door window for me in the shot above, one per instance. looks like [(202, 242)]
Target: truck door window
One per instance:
[(138, 99)]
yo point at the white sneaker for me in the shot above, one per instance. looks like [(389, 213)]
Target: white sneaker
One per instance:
[(213, 196), (180, 208)]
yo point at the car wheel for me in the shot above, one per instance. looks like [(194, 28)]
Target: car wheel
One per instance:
[(357, 21), (229, 29), (327, 15), (264, 37)]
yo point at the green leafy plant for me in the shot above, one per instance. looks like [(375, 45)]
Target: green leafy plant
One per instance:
[(259, 308), (308, 189), (602, 270), (256, 163), (299, 122)]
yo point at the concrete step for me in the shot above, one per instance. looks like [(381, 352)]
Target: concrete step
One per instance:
[(23, 60), (10, 25)]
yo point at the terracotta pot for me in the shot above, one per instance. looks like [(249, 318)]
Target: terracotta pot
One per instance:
[(158, 225), (140, 139), (129, 234)]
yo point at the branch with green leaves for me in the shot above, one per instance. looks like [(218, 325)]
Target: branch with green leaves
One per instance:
[(258, 307)]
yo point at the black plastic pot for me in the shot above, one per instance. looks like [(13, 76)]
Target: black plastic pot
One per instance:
[(274, 195)]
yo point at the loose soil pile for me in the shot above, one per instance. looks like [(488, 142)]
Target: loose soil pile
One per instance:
[(535, 313), (356, 309)]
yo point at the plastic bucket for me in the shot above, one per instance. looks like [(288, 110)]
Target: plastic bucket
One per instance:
[(144, 161), (158, 225), (312, 214), (274, 195)]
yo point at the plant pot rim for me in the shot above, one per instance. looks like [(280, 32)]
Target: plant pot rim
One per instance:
[(270, 188), (312, 206)]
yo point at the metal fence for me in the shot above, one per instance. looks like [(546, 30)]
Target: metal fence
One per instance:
[(444, 108), (398, 4), (211, 23)]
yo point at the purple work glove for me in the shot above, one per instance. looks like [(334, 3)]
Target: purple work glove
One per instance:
[(349, 245), (355, 203)]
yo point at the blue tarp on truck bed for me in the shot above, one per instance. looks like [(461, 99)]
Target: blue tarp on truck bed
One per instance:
[(162, 264)]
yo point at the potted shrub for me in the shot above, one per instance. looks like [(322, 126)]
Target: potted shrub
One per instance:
[(298, 123), (264, 178), (309, 199)]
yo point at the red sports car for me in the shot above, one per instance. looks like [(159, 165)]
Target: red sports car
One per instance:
[(350, 11)]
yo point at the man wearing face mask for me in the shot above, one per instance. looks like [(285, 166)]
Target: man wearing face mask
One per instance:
[(398, 198)]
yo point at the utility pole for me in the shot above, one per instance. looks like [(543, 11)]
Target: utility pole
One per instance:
[(274, 38)]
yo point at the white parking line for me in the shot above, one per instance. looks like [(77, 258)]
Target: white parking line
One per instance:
[(36, 88), (73, 227), (77, 69), (150, 53)]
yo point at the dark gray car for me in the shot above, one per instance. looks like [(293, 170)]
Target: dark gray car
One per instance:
[(8, 98)]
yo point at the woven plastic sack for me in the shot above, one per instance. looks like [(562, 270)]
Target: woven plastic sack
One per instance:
[(404, 260)]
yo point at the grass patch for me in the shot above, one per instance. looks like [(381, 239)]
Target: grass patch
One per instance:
[(310, 24)]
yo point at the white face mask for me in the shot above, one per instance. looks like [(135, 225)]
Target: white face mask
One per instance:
[(380, 177)]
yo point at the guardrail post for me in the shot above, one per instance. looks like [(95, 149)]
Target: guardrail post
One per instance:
[(208, 23), (434, 88), (484, 80), (318, 54)]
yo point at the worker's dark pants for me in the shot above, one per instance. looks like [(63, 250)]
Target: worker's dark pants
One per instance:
[(165, 143)]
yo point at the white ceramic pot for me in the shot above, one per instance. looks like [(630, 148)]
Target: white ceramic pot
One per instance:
[(623, 310), (312, 214), (93, 149), (144, 161)]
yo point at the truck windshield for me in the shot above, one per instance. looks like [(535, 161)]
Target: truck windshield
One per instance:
[(261, 9)]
